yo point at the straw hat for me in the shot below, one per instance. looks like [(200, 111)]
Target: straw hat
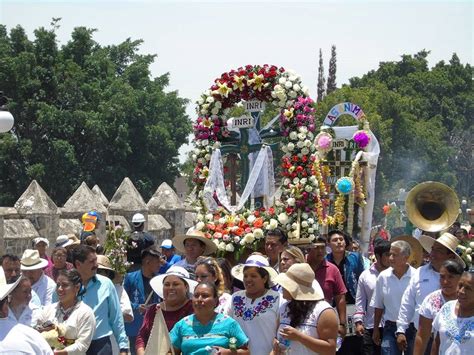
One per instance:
[(416, 255), (5, 288), (254, 261), (178, 241), (103, 262), (156, 283), (299, 282), (31, 260), (447, 240)]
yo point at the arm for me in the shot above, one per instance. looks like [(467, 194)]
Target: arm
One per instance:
[(327, 330), (145, 330), (422, 335), (116, 318), (360, 303), (125, 306), (435, 346), (378, 313), (340, 301)]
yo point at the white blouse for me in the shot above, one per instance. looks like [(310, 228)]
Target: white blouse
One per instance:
[(258, 318), (80, 324)]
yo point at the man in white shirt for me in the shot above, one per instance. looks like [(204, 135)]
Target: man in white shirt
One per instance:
[(15, 338), (32, 267), (424, 281), (364, 315), (389, 289)]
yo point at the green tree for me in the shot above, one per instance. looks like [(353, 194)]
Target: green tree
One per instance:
[(321, 79), (422, 118), (85, 112), (332, 71)]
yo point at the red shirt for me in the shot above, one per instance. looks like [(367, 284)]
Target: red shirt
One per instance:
[(171, 318), (330, 279)]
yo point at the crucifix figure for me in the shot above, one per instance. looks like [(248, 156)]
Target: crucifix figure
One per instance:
[(250, 142)]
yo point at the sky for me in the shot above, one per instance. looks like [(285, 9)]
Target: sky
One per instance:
[(196, 41)]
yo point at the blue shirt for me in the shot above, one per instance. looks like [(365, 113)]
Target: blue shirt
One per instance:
[(191, 337), (102, 297), (353, 267), (174, 259), (133, 285)]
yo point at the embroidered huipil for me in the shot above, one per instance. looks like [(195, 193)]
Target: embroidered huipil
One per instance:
[(432, 304), (258, 318)]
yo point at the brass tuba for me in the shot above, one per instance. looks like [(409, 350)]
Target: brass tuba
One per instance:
[(432, 206)]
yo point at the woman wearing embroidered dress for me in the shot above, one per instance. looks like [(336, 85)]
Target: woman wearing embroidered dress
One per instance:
[(308, 324), (449, 275), (454, 324), (75, 316), (256, 307), (175, 288), (207, 330), (207, 270)]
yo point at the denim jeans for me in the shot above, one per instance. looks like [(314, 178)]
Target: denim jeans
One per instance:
[(389, 339)]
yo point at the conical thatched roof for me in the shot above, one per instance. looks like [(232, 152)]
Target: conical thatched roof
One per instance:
[(83, 200), (96, 189), (127, 198), (164, 198)]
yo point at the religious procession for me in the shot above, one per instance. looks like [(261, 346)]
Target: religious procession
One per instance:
[(291, 269)]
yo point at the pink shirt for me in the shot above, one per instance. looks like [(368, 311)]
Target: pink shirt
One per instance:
[(330, 279)]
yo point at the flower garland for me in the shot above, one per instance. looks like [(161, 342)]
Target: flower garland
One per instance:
[(295, 209)]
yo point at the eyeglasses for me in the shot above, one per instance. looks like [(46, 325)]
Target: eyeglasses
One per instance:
[(63, 285), (60, 256)]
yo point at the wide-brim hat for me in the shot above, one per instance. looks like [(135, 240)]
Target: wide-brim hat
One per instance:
[(192, 233), (416, 255), (39, 240), (447, 240), (31, 260), (299, 281), (63, 241), (254, 261), (103, 262), (156, 283), (6, 288)]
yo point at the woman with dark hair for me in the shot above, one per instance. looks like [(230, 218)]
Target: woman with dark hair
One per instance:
[(308, 324), (175, 288), (74, 317), (225, 266), (289, 256), (454, 324), (207, 270), (449, 274), (59, 258), (256, 307), (207, 330)]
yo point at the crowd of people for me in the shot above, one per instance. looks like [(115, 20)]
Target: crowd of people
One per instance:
[(321, 298)]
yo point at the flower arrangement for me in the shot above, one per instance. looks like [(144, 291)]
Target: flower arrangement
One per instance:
[(294, 212), (55, 337), (116, 243)]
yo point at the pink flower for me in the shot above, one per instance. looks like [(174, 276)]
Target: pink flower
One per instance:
[(324, 142), (362, 139)]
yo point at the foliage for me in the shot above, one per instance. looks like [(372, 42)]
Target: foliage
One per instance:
[(85, 112), (321, 79), (332, 72), (116, 249), (422, 118)]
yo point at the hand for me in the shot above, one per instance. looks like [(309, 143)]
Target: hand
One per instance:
[(359, 330), (289, 333), (342, 330), (142, 308), (221, 351), (376, 336), (276, 347), (402, 342)]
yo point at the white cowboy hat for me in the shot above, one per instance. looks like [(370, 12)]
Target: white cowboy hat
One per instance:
[(178, 241), (299, 281), (447, 240), (254, 261), (6, 289), (156, 283), (31, 260), (39, 240)]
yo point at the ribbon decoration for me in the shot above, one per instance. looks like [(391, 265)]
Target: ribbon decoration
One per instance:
[(262, 171)]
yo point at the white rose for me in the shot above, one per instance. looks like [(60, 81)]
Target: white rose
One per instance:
[(296, 87), (288, 85), (302, 135), (291, 201), (304, 224), (216, 145), (209, 217), (200, 217), (282, 218), (237, 239), (300, 144), (293, 135), (293, 77), (199, 226), (200, 101), (286, 181), (215, 111), (282, 80), (248, 238), (305, 151), (207, 157), (284, 148), (210, 99), (204, 142), (258, 233), (312, 179), (194, 157), (229, 248), (273, 224), (222, 220), (305, 91), (296, 180), (303, 129), (277, 87), (303, 181), (218, 104), (310, 220), (308, 143), (251, 218), (290, 146), (310, 230), (221, 246), (308, 188), (216, 242)]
